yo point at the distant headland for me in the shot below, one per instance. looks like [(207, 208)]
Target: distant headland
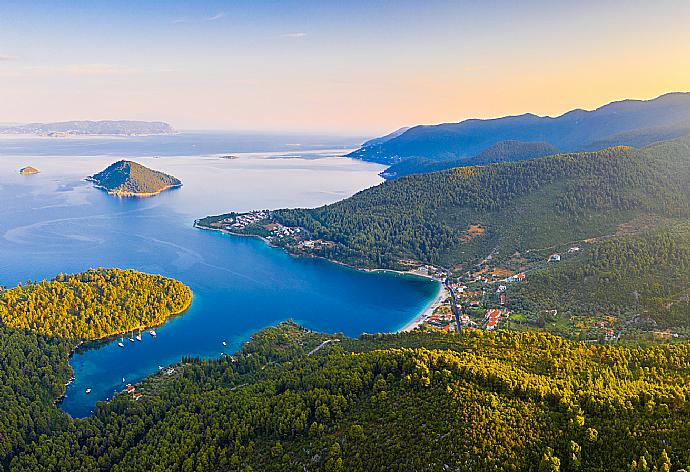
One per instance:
[(91, 128), (130, 179)]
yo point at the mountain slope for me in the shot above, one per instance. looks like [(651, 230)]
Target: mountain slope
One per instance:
[(628, 122), (130, 179), (504, 151), (522, 207), (383, 139)]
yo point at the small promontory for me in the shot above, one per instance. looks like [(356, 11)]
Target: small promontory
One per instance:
[(28, 170), (130, 179)]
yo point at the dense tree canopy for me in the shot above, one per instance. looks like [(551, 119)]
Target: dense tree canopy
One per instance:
[(523, 206), (412, 401), (93, 304)]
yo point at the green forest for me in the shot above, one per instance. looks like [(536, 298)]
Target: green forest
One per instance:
[(93, 304), (524, 206), (642, 278), (388, 402)]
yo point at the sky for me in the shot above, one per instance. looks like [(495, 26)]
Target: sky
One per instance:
[(337, 67)]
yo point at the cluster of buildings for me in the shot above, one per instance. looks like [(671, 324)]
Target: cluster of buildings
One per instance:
[(492, 317), (314, 243), (131, 390), (246, 219), (444, 321), (281, 231)]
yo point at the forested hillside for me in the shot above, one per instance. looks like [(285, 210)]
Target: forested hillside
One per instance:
[(525, 208), (642, 279), (504, 151), (93, 304), (413, 401)]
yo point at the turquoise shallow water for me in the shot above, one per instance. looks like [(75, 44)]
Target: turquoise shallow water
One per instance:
[(55, 222)]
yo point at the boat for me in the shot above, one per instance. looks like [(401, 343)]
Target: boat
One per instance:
[(139, 336), (88, 390), (121, 343), (123, 380), (224, 343), (153, 333), (131, 338)]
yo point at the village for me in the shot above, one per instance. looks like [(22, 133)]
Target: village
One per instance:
[(475, 300), (478, 300)]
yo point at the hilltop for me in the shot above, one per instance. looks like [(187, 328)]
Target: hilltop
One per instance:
[(130, 179), (94, 128), (628, 122)]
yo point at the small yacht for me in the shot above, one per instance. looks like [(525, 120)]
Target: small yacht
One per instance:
[(224, 343), (139, 336), (121, 343), (131, 338), (88, 390), (153, 333), (123, 380)]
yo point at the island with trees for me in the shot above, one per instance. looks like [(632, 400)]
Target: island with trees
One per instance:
[(131, 179)]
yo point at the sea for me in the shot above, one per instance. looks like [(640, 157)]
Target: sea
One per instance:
[(57, 222)]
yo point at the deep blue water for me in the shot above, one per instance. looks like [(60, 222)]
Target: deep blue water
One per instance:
[(55, 222)]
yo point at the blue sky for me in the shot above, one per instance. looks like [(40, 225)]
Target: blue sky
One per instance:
[(332, 66)]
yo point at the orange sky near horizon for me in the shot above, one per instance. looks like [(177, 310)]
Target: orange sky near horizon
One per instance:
[(352, 68)]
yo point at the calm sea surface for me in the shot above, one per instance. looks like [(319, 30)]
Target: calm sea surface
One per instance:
[(56, 222)]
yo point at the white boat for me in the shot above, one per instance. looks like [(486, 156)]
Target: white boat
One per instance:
[(224, 343), (121, 344), (152, 333), (88, 390), (139, 336), (131, 338)]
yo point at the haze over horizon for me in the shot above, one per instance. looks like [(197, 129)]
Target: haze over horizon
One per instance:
[(346, 68)]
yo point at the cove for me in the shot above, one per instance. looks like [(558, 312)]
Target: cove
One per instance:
[(55, 222)]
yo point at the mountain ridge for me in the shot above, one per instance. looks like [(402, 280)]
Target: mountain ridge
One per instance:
[(624, 122)]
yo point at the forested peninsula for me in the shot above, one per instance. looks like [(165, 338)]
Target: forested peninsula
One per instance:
[(94, 304)]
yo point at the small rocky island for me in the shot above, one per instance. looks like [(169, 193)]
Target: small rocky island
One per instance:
[(130, 179), (28, 170)]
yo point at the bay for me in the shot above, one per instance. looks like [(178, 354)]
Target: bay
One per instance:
[(56, 222)]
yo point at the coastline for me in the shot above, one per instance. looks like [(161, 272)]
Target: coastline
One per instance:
[(441, 295), (417, 320), (131, 194)]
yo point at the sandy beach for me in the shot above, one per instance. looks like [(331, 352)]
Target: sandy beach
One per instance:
[(440, 297)]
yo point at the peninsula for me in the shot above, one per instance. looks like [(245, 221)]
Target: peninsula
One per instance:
[(94, 304), (130, 179)]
